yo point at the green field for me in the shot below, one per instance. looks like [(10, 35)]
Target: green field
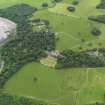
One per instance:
[(64, 87), (71, 28), (77, 86), (34, 3)]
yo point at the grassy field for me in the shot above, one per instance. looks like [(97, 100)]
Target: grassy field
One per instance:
[(71, 28), (64, 87), (34, 3), (86, 7)]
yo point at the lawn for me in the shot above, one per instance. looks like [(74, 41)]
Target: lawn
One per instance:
[(64, 87)]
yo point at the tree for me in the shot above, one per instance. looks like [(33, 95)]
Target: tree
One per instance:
[(35, 79), (45, 5), (71, 8), (75, 2), (96, 32)]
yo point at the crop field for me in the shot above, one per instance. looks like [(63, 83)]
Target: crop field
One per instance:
[(74, 86)]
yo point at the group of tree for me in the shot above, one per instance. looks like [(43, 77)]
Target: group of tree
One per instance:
[(101, 5), (27, 46), (99, 18), (6, 99), (71, 59)]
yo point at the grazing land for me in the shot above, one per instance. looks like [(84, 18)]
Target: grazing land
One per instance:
[(61, 87), (34, 74), (37, 3)]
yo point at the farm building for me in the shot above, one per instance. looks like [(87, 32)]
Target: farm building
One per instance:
[(7, 28)]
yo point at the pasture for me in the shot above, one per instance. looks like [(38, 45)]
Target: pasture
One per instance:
[(75, 86), (34, 3), (71, 30), (63, 87)]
